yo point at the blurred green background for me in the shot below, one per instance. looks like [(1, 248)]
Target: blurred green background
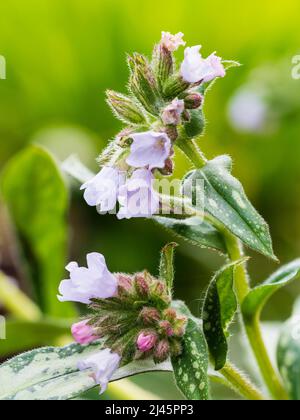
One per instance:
[(61, 56)]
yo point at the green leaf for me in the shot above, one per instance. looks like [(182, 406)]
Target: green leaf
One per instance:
[(37, 198), (258, 297), (226, 201), (25, 335), (191, 367), (195, 231), (166, 269), (288, 355), (219, 309), (52, 373)]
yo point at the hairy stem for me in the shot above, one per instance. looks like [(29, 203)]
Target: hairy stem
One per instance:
[(253, 329), (192, 151), (242, 285), (241, 384)]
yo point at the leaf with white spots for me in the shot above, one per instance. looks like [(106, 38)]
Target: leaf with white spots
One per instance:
[(288, 354), (219, 309), (258, 297), (196, 231), (226, 201), (52, 373), (191, 367)]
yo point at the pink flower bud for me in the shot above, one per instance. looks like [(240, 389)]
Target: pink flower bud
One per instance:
[(162, 351), (167, 328), (193, 100), (124, 282), (149, 316), (142, 286), (83, 333), (146, 341)]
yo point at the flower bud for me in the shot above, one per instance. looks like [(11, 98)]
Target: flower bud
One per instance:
[(149, 316), (125, 108), (175, 347), (162, 351), (195, 127), (172, 113), (83, 333), (124, 284), (146, 341), (168, 169), (170, 314), (142, 285), (166, 328), (179, 326), (143, 85), (175, 86), (193, 100), (163, 64)]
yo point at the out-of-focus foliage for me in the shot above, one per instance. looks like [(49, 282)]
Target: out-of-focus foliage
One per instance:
[(36, 196), (62, 55)]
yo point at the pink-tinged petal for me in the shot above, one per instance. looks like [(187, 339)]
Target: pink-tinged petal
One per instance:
[(172, 113), (146, 341), (83, 333), (172, 42), (196, 69), (149, 149), (103, 365)]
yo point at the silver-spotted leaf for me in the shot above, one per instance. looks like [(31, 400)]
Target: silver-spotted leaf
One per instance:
[(258, 297), (288, 354), (191, 367), (195, 231), (226, 201), (219, 309), (52, 373)]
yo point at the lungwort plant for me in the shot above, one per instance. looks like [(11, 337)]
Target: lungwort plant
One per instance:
[(133, 324)]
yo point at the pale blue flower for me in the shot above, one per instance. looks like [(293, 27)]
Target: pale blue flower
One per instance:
[(102, 190), (138, 197), (196, 69), (103, 365), (149, 149), (85, 284)]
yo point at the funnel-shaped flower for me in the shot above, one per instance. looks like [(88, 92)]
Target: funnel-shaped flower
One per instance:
[(102, 190), (88, 283), (196, 69), (138, 197), (149, 149), (103, 364)]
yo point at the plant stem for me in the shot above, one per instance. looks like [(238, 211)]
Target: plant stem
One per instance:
[(253, 329), (192, 151), (270, 375), (235, 251), (16, 301), (241, 384)]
